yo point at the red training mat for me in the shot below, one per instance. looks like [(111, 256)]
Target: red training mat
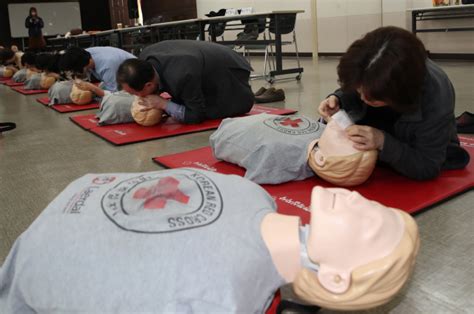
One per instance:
[(127, 133), (4, 79), (24, 91), (86, 121), (11, 83), (384, 186), (64, 108)]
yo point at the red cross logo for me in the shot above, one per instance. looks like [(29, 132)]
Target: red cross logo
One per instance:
[(157, 196), (293, 123)]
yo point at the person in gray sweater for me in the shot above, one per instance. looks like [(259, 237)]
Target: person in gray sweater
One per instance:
[(402, 104)]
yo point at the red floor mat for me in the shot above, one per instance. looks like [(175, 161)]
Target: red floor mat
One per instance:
[(86, 121), (64, 108), (384, 186), (23, 91), (121, 134), (11, 83)]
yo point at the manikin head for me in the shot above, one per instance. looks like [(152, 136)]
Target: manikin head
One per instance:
[(6, 72), (79, 96), (365, 251), (137, 77), (47, 81), (145, 118), (334, 159)]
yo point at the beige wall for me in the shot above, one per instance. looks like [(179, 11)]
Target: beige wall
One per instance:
[(454, 42), (340, 22), (305, 31)]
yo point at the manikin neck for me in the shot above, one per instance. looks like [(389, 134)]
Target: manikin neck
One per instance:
[(281, 236)]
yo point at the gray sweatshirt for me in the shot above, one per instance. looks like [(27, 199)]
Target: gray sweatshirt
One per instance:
[(181, 240)]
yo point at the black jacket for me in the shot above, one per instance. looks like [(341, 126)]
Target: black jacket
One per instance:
[(420, 143), (34, 26), (209, 79)]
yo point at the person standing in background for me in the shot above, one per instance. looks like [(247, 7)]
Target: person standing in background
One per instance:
[(34, 24)]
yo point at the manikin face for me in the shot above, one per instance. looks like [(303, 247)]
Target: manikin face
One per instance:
[(149, 88), (348, 231), (372, 103), (334, 142)]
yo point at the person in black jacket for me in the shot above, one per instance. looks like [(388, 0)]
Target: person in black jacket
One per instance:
[(402, 103), (34, 24), (206, 80)]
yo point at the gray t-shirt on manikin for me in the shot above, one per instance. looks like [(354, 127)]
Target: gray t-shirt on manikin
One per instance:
[(19, 76), (60, 93), (272, 148), (116, 108), (172, 241), (33, 82)]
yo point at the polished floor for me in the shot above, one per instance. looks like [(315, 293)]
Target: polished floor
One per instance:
[(47, 151)]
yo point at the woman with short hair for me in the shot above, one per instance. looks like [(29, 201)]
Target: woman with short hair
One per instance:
[(402, 104)]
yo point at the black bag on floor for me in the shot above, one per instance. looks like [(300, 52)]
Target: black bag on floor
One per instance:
[(7, 126)]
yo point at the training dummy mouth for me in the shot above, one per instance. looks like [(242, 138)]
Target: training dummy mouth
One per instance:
[(342, 119)]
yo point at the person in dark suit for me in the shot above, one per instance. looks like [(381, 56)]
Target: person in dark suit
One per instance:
[(206, 80)]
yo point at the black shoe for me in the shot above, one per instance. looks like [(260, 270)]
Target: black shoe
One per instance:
[(271, 95), (260, 91), (465, 123), (456, 158), (7, 126)]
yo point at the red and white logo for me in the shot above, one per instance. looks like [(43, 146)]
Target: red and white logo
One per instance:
[(165, 201), (158, 195), (100, 180), (292, 125)]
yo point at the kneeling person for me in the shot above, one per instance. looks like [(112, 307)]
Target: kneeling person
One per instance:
[(205, 80)]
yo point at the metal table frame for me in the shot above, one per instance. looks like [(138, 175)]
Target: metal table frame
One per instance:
[(441, 13)]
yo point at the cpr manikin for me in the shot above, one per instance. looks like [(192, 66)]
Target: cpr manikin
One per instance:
[(333, 157), (183, 241), (79, 96), (355, 253), (145, 118)]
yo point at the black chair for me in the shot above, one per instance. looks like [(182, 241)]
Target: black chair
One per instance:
[(216, 29), (286, 25)]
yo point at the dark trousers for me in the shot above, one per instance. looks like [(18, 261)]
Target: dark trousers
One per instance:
[(231, 97)]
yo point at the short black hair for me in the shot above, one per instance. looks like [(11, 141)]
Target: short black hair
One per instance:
[(33, 9), (135, 73), (6, 54), (28, 58), (47, 62), (74, 59), (388, 64)]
